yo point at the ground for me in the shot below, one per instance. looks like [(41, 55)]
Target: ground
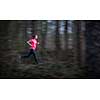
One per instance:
[(14, 67), (59, 70)]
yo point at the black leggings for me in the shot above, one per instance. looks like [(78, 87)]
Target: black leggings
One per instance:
[(32, 52)]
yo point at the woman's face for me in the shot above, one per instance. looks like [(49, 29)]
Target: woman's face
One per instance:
[(36, 37)]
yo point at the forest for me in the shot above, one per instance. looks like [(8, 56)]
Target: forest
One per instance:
[(68, 49)]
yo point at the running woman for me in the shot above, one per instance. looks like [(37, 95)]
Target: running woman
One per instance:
[(33, 42)]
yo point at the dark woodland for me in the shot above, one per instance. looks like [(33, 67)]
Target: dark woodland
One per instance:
[(68, 49)]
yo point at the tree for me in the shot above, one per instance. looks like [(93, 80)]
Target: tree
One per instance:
[(57, 36), (66, 34), (12, 31), (4, 43), (83, 43), (44, 29), (77, 42), (92, 36)]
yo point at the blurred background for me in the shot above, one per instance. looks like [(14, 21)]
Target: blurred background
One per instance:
[(67, 49)]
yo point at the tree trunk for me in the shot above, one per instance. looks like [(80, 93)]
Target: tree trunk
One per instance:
[(4, 43), (43, 33), (66, 34), (77, 42), (93, 48), (57, 36)]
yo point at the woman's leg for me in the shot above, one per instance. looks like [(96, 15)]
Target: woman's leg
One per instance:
[(29, 53), (35, 57)]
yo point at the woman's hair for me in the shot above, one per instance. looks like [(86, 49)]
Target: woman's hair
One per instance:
[(33, 36)]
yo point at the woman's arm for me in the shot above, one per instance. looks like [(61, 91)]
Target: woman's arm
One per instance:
[(38, 43), (29, 43)]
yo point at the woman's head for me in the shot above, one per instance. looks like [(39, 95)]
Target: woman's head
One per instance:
[(35, 36)]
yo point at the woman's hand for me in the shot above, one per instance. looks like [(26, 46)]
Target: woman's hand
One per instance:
[(38, 43)]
